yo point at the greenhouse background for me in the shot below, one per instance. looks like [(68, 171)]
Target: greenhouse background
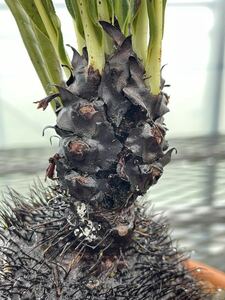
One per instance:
[(191, 192)]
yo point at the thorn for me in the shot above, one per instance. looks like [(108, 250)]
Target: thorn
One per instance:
[(71, 78), (56, 136), (47, 127)]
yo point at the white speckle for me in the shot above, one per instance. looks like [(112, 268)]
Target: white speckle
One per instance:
[(81, 209), (76, 231)]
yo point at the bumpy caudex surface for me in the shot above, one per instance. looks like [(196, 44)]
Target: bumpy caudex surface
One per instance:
[(86, 237)]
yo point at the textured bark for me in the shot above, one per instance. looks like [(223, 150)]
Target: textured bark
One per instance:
[(57, 249)]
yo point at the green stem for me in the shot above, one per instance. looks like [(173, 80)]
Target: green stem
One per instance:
[(140, 31), (103, 12), (103, 15), (121, 10), (153, 63), (47, 22), (93, 37), (54, 33), (73, 9), (79, 39), (48, 70)]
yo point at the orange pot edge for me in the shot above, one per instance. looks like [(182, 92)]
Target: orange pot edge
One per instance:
[(212, 278)]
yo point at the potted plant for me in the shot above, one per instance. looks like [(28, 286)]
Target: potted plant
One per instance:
[(86, 236)]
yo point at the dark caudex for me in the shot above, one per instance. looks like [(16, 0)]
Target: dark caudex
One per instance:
[(107, 121), (86, 236)]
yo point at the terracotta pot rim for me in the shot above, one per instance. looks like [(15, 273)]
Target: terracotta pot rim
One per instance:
[(212, 278)]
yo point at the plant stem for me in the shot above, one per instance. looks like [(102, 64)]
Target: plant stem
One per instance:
[(39, 48), (80, 40), (153, 63), (140, 31), (52, 26), (103, 12), (47, 22), (73, 9), (121, 10), (93, 37), (103, 15)]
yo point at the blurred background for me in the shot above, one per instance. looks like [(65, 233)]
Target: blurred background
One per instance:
[(192, 191)]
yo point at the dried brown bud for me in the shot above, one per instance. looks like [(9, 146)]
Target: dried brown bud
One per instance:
[(157, 133), (156, 172), (87, 111), (78, 148)]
